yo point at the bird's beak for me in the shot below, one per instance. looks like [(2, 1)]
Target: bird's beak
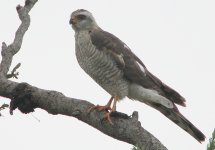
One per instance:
[(73, 20)]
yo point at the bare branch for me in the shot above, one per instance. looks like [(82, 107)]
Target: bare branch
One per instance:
[(128, 129), (26, 98), (9, 51), (2, 107)]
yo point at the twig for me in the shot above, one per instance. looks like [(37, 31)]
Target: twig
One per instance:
[(13, 73), (3, 106)]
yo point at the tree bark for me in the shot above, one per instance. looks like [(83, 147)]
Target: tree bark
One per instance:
[(26, 98)]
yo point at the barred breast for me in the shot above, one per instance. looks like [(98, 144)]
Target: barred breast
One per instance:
[(99, 66)]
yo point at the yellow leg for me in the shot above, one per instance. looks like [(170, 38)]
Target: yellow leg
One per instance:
[(107, 115), (114, 104), (106, 107)]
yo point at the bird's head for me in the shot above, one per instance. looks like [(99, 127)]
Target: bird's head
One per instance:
[(82, 20)]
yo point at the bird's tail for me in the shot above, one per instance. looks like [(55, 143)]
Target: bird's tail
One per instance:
[(166, 107), (174, 115)]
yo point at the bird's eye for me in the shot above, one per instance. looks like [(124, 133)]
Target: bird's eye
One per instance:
[(81, 17)]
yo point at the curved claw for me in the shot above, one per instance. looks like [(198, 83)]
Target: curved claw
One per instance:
[(107, 116), (107, 107)]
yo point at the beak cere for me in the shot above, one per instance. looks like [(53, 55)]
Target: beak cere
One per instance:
[(73, 21)]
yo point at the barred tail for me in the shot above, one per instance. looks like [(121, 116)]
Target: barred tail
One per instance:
[(174, 115)]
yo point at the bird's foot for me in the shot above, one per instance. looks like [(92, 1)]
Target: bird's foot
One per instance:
[(107, 108), (107, 114), (100, 108)]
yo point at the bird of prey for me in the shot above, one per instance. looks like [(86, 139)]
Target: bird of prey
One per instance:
[(112, 64)]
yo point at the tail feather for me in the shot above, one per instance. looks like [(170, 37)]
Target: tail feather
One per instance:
[(174, 115), (166, 107)]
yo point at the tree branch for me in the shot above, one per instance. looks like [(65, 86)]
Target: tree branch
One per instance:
[(26, 98), (13, 73)]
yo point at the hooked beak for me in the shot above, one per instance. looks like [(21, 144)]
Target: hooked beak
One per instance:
[(73, 21)]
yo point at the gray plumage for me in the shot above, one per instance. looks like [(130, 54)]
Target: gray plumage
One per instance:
[(99, 66), (112, 64)]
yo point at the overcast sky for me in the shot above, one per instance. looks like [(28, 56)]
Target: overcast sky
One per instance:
[(174, 39)]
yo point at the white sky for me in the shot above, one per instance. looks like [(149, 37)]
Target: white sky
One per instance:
[(175, 40)]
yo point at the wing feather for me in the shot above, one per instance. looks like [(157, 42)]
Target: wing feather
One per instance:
[(129, 63)]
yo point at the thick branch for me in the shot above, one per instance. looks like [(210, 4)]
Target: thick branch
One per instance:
[(124, 128), (26, 98)]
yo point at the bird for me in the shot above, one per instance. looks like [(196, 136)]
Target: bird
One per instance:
[(112, 64)]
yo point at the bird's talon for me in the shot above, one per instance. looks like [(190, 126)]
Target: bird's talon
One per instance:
[(100, 108), (91, 108), (107, 116)]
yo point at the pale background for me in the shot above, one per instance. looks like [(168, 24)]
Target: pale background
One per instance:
[(175, 39)]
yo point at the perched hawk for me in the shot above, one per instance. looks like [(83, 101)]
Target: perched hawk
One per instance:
[(112, 64)]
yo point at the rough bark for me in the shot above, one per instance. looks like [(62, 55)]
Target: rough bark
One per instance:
[(26, 98)]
